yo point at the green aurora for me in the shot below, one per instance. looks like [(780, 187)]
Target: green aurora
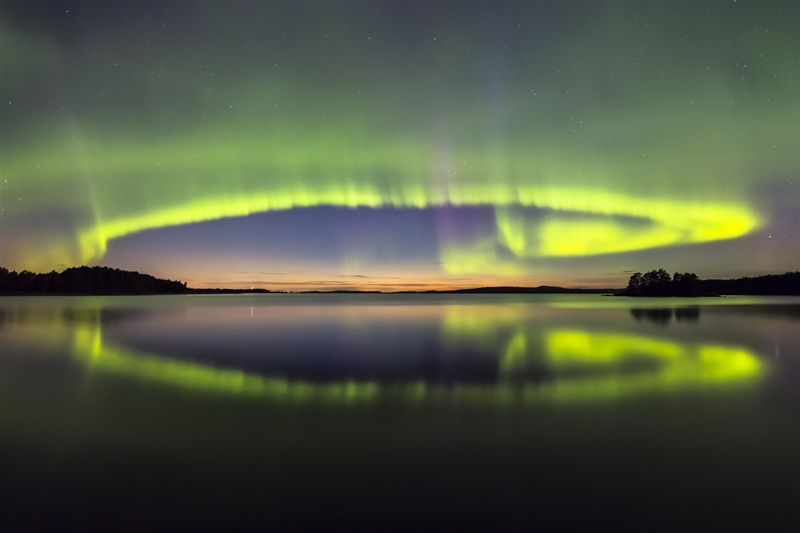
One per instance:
[(620, 129)]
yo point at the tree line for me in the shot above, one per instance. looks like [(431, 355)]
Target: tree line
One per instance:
[(86, 280), (660, 283)]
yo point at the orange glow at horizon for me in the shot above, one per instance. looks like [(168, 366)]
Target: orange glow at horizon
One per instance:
[(310, 282)]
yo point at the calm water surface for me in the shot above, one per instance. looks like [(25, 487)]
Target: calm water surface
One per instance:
[(400, 411)]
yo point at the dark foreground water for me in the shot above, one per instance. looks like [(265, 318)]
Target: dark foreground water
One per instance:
[(400, 412)]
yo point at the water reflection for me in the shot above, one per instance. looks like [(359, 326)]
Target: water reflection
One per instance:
[(489, 354), (674, 365), (224, 410), (663, 317)]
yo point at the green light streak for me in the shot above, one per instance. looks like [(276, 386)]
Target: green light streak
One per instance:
[(586, 365), (684, 366), (670, 221), (90, 347), (659, 223), (682, 362), (576, 347)]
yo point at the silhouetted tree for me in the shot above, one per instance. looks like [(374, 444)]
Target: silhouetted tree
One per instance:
[(655, 277), (660, 283), (635, 282)]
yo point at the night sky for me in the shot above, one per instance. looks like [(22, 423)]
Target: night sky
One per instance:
[(401, 145)]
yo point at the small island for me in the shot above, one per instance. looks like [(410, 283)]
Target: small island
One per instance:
[(658, 283)]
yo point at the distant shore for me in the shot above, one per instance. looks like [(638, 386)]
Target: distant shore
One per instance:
[(191, 291), (104, 281)]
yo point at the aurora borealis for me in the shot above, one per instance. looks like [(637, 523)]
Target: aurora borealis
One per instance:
[(381, 145)]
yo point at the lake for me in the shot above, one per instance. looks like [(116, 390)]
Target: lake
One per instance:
[(387, 412)]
